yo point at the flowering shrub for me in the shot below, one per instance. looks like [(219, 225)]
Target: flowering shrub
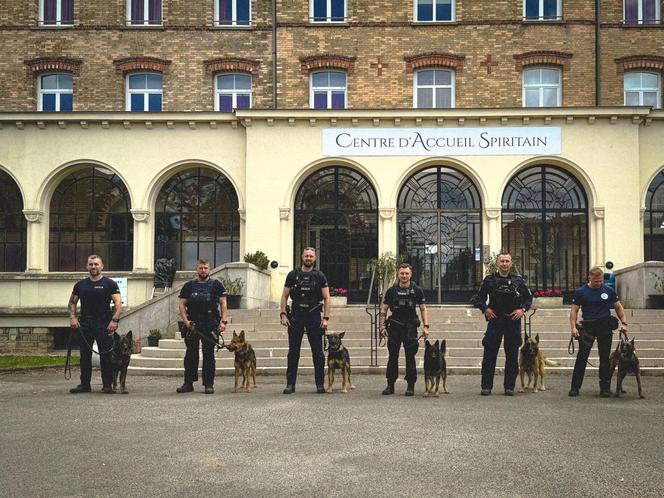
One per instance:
[(338, 291), (548, 293)]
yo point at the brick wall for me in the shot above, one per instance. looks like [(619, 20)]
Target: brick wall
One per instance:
[(25, 340)]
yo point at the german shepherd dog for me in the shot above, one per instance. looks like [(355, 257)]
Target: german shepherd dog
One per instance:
[(531, 362), (123, 347), (624, 357), (245, 361), (435, 367), (338, 358)]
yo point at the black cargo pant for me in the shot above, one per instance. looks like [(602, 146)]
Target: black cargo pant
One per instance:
[(193, 341), (499, 329), (397, 334), (600, 330), (309, 321), (95, 329)]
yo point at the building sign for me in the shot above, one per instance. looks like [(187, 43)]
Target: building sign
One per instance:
[(441, 141)]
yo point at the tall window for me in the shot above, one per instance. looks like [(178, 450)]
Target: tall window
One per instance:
[(12, 226), (144, 92), (653, 220), (233, 92), (328, 90), (434, 88), (327, 10), (143, 12), (56, 12), (434, 10), (642, 11), (542, 10), (541, 87), (56, 93), (90, 214), (197, 217), (232, 12), (643, 89)]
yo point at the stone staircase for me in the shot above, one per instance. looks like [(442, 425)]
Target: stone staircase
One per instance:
[(463, 328)]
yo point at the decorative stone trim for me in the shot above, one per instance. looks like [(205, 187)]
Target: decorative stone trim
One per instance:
[(33, 215), (542, 58), (140, 215), (243, 214), (598, 212), (133, 64), (284, 213), (387, 213), (230, 65), (636, 62), (493, 213), (328, 61), (53, 65), (415, 62)]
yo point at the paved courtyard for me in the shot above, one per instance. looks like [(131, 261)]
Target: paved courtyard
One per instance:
[(154, 442)]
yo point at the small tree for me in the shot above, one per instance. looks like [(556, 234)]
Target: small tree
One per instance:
[(385, 267)]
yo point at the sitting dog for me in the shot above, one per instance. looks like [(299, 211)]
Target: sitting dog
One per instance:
[(624, 357), (338, 358), (123, 347), (245, 361), (531, 362), (435, 367)]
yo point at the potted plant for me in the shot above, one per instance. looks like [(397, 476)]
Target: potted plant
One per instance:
[(339, 297), (153, 338), (257, 258), (233, 291)]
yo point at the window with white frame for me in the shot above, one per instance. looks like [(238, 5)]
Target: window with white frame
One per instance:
[(232, 12), (56, 93), (433, 89), (328, 90), (144, 92), (56, 12), (542, 10), (144, 12), (434, 10), (641, 11), (643, 89), (233, 91), (327, 10), (542, 87)]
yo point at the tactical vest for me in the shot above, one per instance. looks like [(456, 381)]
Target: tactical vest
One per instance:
[(404, 299), (505, 297), (202, 304), (307, 291)]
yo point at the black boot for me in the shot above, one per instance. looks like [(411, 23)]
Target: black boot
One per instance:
[(410, 390), (389, 389), (80, 389), (290, 389), (185, 388)]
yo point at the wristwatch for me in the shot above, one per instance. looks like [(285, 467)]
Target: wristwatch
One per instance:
[(116, 320), (326, 318), (426, 326), (225, 322)]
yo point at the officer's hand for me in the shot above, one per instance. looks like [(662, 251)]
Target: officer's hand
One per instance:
[(489, 314), (575, 332), (187, 323), (284, 320), (425, 331), (73, 323), (383, 332), (323, 324), (222, 327), (112, 326), (517, 314), (623, 328)]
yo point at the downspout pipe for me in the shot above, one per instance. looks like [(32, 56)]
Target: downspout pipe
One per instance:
[(274, 54), (598, 55)]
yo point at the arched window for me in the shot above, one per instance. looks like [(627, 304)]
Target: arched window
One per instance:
[(197, 217), (440, 232), (90, 214), (145, 92), (336, 211), (12, 226), (653, 220), (545, 227)]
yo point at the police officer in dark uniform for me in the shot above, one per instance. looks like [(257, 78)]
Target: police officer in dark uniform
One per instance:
[(97, 323), (200, 300), (403, 299), (509, 298), (309, 292), (595, 300)]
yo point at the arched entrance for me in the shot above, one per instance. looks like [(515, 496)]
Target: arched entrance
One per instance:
[(440, 233), (336, 211), (12, 226), (545, 227), (653, 220), (197, 217)]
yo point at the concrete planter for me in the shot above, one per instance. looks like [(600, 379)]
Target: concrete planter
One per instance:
[(338, 301), (548, 302)]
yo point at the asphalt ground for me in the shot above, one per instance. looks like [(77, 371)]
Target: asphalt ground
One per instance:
[(154, 442)]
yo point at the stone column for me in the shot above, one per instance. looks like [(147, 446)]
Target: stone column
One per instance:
[(36, 241), (243, 232), (143, 241), (387, 229), (599, 236), (493, 236)]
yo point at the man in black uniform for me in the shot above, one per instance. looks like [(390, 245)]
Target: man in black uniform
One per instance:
[(97, 323), (509, 298), (595, 300), (200, 300), (401, 327), (306, 287)]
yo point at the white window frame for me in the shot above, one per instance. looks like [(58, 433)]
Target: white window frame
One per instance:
[(658, 104), (146, 14), (452, 17), (234, 23), (639, 17), (434, 87), (41, 92), (58, 15), (234, 93), (144, 91), (328, 12), (540, 17), (541, 87), (327, 89)]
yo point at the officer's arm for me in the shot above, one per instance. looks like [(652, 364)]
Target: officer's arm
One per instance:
[(482, 294), (223, 305), (73, 321), (183, 312), (117, 304), (573, 314), (326, 302), (283, 317), (620, 311), (381, 319), (425, 318)]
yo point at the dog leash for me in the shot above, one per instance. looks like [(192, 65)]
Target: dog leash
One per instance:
[(210, 340), (68, 359), (91, 347)]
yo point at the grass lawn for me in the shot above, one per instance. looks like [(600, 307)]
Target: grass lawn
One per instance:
[(26, 361)]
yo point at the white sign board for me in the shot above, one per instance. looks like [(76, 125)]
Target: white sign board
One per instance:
[(441, 141), (122, 284)]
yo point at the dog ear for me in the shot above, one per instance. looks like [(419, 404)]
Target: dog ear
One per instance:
[(443, 346), (235, 335), (116, 336), (436, 344), (632, 342), (242, 335), (130, 335), (427, 344), (537, 338), (341, 336)]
